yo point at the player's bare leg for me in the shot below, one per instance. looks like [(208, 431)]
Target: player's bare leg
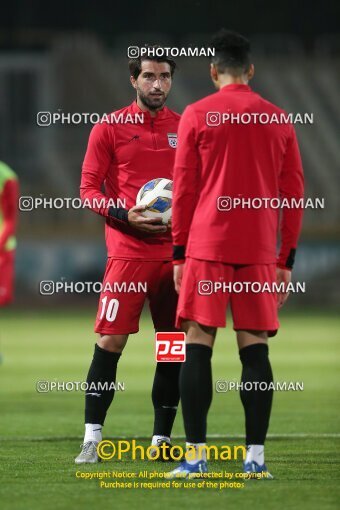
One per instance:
[(102, 374), (112, 343), (257, 403)]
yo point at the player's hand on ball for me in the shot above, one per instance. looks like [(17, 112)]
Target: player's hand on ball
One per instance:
[(140, 222), (178, 275), (285, 276)]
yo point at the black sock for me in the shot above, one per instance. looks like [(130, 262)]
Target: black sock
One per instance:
[(165, 397), (103, 369), (257, 404), (195, 384)]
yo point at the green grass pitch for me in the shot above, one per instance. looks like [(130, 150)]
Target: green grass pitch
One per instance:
[(40, 433)]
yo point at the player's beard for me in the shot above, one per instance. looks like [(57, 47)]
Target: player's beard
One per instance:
[(152, 103)]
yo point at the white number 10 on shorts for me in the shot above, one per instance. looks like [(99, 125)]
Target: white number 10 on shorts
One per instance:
[(109, 310)]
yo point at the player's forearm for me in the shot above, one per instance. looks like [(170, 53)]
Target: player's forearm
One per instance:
[(181, 222), (91, 194), (178, 254), (95, 200), (291, 186), (184, 205), (99, 203), (291, 223)]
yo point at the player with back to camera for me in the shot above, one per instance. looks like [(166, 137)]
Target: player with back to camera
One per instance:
[(239, 245), (124, 157)]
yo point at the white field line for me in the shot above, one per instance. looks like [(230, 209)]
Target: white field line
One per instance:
[(301, 435)]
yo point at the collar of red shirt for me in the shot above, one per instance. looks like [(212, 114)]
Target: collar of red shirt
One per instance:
[(159, 115), (236, 86)]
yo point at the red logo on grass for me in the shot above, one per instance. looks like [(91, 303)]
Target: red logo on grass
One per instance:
[(170, 346)]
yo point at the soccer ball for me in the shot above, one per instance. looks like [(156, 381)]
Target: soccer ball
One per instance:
[(156, 195)]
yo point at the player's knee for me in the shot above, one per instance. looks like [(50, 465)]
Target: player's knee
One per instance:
[(198, 333), (112, 343), (245, 338)]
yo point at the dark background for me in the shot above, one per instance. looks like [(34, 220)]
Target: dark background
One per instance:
[(306, 19)]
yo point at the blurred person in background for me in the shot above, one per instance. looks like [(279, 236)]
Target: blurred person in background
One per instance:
[(9, 191)]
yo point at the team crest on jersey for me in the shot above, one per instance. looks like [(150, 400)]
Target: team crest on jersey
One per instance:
[(172, 139)]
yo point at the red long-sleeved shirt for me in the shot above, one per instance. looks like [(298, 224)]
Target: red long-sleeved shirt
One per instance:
[(8, 212), (238, 161), (123, 157)]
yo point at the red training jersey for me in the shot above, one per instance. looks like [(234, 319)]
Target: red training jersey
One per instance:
[(122, 157), (247, 161)]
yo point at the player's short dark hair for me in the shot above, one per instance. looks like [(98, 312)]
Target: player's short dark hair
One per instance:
[(232, 52), (135, 64)]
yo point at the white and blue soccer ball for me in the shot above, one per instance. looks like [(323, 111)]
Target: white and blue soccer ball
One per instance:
[(156, 195)]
